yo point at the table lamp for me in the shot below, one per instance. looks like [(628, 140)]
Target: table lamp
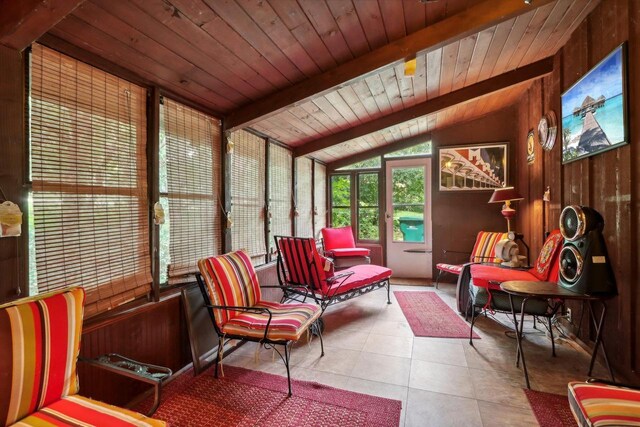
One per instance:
[(506, 195)]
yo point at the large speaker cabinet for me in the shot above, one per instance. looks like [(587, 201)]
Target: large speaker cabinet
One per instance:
[(585, 267)]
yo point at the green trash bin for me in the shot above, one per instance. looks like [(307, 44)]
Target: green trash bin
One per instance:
[(412, 228)]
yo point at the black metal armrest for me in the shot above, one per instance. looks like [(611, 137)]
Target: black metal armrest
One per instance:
[(249, 309), (613, 383), (145, 372), (344, 274), (446, 251)]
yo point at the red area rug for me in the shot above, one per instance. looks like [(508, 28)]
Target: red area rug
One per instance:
[(429, 316), (251, 398), (551, 410)]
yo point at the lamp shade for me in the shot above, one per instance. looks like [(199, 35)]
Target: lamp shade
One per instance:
[(501, 195)]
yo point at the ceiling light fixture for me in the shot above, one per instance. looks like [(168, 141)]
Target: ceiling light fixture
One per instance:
[(528, 1), (410, 67)]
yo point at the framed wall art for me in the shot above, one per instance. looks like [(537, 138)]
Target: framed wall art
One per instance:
[(473, 167), (594, 109)]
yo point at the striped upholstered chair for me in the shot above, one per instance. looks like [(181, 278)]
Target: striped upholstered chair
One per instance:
[(483, 251), (600, 404), (231, 291), (39, 346)]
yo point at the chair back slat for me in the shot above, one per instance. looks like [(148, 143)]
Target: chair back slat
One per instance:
[(485, 246), (230, 279), (300, 262), (39, 346)]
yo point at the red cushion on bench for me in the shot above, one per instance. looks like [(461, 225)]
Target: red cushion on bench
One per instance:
[(483, 274), (450, 268), (343, 252), (363, 275)]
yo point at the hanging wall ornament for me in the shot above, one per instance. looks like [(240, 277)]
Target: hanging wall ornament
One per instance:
[(10, 220), (531, 152), (548, 130)]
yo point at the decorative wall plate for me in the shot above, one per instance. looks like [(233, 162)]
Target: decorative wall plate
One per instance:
[(531, 149), (548, 130)]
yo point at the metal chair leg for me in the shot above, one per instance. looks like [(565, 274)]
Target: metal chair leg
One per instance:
[(320, 336), (388, 292), (287, 352), (438, 278), (218, 355), (473, 321), (553, 342)]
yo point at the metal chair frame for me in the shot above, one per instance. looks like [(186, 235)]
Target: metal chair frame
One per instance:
[(265, 340)]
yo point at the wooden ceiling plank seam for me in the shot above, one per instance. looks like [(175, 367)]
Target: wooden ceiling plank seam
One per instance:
[(310, 120), (414, 15), (154, 27), (324, 104), (449, 58), (153, 71), (371, 19), (529, 36), (300, 125), (188, 40), (392, 88), (344, 12), (479, 55), (361, 89), (405, 86), (236, 17), (480, 16), (419, 80), (209, 34), (104, 21), (270, 23), (316, 112), (500, 36), (508, 49), (287, 131), (295, 19), (342, 107), (351, 98), (23, 22), (437, 11), (324, 23), (465, 53), (564, 25), (494, 84), (556, 16), (393, 19), (579, 18), (434, 68), (378, 91)]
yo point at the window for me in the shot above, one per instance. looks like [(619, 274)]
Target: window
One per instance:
[(368, 210), (319, 197), (373, 163), (248, 195), (189, 190), (304, 207), (408, 203), (340, 200), (89, 181), (280, 192), (423, 149)]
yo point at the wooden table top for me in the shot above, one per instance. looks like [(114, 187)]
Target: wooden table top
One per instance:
[(544, 290)]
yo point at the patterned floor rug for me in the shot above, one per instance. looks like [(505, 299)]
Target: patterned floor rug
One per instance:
[(251, 398), (551, 410), (429, 316)]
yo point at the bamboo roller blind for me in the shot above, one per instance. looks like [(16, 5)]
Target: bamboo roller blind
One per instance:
[(89, 173), (193, 165), (319, 197), (248, 195), (280, 200), (304, 219)]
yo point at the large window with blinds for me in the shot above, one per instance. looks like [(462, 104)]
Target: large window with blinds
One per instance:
[(89, 181), (319, 197), (248, 172), (190, 189), (280, 193), (304, 205)]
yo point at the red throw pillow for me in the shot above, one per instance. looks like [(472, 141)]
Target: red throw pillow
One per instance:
[(548, 255)]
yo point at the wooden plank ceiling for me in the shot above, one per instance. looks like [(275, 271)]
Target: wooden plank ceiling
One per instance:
[(226, 54)]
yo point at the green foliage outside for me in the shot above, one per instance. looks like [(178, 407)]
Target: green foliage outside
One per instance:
[(340, 200), (164, 229), (416, 150), (372, 163), (408, 197), (368, 211)]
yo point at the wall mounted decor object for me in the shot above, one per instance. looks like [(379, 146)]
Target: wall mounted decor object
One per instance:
[(473, 167), (531, 147), (548, 130)]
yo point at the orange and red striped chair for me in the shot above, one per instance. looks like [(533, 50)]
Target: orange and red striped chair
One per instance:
[(232, 294), (483, 251), (598, 404), (39, 346)]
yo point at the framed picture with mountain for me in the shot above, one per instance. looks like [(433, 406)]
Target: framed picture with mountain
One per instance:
[(594, 109)]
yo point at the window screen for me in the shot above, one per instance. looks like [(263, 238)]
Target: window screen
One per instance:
[(247, 195), (89, 174), (320, 197), (340, 200), (304, 218), (190, 188), (280, 185)]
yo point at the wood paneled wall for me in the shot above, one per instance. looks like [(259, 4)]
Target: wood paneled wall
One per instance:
[(607, 182), (457, 217)]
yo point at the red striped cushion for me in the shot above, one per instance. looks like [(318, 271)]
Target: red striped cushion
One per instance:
[(39, 345), (288, 321), (450, 268), (81, 411), (485, 246), (601, 405), (231, 280)]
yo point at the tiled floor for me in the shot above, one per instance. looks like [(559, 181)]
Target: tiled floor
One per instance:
[(370, 348)]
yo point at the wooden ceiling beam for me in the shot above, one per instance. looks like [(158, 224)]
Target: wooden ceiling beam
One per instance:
[(485, 87), (379, 151), (23, 21), (477, 17)]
